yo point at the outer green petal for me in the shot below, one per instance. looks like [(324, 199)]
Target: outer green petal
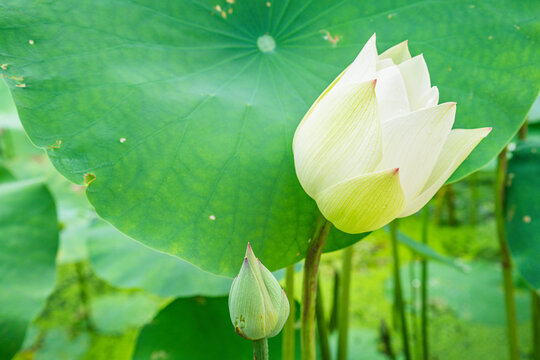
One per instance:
[(246, 305), (363, 203), (283, 315), (340, 139), (458, 146), (280, 303), (398, 53), (413, 143)]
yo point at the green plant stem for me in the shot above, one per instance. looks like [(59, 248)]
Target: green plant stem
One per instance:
[(451, 205), (309, 291), (522, 133), (397, 291), (260, 349), (535, 301), (473, 207), (344, 298), (288, 330), (84, 295), (335, 302), (414, 301), (322, 325), (506, 264), (424, 288), (439, 204)]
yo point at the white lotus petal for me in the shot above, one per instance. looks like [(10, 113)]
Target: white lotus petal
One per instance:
[(458, 146), (413, 143), (363, 203), (430, 98), (340, 139), (398, 53), (383, 64), (323, 94), (416, 77), (391, 94), (363, 68)]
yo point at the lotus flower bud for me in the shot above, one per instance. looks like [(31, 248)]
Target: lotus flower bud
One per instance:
[(376, 145), (257, 304)]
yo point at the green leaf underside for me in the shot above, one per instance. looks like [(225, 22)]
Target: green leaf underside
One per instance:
[(187, 126), (175, 333), (29, 227), (523, 210), (118, 313), (128, 264)]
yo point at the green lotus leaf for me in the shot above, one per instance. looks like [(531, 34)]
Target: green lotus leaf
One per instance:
[(28, 245), (179, 115), (523, 210)]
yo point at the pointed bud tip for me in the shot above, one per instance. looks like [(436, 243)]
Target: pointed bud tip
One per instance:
[(396, 170), (487, 130), (249, 250)]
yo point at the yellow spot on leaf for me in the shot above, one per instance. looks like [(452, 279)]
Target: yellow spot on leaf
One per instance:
[(56, 145), (332, 39), (89, 178)]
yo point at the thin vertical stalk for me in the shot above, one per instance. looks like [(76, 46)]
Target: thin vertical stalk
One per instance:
[(424, 289), (473, 205), (335, 302), (309, 291), (535, 301), (415, 330), (451, 205), (322, 325), (288, 330), (260, 349), (398, 292), (506, 264), (439, 203), (344, 298), (522, 133)]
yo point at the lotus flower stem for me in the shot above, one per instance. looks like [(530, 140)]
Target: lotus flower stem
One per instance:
[(309, 291), (424, 284), (344, 297), (506, 263), (335, 302), (473, 207), (535, 301), (522, 134), (322, 326), (397, 291), (260, 349), (288, 330)]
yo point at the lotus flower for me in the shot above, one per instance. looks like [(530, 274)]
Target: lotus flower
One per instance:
[(257, 304), (376, 145)]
